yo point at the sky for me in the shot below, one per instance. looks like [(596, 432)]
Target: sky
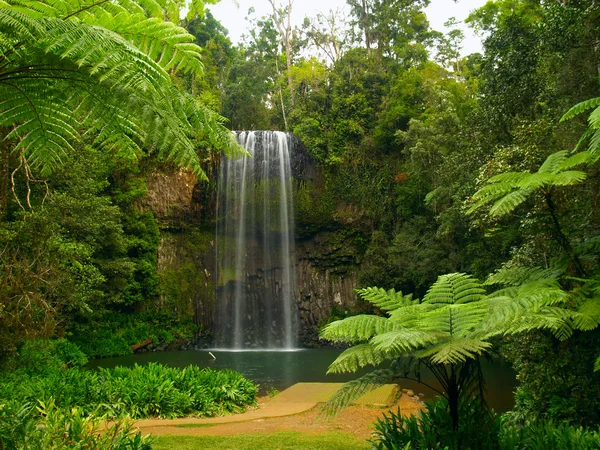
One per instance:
[(232, 14)]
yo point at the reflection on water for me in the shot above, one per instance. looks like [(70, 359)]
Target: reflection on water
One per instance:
[(280, 369)]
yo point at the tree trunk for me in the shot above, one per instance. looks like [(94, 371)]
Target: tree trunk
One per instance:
[(562, 239), (4, 172), (453, 396)]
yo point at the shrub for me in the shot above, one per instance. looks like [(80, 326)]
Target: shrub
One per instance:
[(47, 427), (152, 390), (478, 428), (45, 356)]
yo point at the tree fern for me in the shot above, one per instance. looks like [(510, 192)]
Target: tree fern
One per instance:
[(101, 69), (355, 357), (356, 328), (580, 108), (385, 300)]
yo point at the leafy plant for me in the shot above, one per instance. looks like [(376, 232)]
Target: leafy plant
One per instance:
[(47, 427), (446, 332), (433, 428)]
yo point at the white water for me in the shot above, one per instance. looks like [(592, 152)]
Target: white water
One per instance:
[(255, 246)]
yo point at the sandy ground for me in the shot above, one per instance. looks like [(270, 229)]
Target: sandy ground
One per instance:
[(357, 420)]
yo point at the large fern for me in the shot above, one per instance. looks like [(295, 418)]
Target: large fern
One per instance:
[(103, 69), (453, 324)]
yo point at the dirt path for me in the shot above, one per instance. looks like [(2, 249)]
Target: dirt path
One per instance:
[(357, 420)]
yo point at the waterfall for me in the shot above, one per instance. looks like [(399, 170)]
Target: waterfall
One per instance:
[(255, 296)]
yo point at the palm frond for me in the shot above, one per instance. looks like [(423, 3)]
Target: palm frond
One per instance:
[(581, 107)]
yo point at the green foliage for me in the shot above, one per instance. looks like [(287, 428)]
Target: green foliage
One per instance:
[(139, 392), (556, 379), (39, 357), (432, 429), (47, 427), (113, 334), (122, 54)]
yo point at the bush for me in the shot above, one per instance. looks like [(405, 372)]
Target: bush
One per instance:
[(46, 427), (548, 435), (116, 333), (38, 357), (478, 428), (140, 391)]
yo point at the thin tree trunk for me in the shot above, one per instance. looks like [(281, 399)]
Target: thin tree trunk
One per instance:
[(285, 124), (453, 396), (4, 172), (561, 237)]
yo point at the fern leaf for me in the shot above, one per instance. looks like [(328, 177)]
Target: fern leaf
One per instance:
[(402, 341), (454, 288), (355, 389), (385, 300), (575, 160), (581, 107), (587, 316), (356, 328), (356, 357), (509, 203), (553, 161), (456, 350), (569, 178)]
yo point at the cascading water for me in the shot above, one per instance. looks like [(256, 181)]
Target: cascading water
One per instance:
[(255, 306)]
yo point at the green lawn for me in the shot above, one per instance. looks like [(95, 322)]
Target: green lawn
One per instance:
[(264, 441)]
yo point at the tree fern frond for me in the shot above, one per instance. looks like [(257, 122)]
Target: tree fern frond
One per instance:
[(587, 316), (535, 181), (356, 328), (569, 178), (395, 343), (581, 107), (454, 319), (455, 351), (508, 203), (553, 161), (355, 357), (454, 288), (575, 160), (385, 300), (355, 389), (510, 178), (597, 364), (517, 276)]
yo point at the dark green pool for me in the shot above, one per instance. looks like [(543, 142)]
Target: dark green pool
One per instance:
[(281, 369)]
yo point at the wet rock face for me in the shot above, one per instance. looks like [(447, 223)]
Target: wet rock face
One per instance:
[(325, 266), (169, 193)]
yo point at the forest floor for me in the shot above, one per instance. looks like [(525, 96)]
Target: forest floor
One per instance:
[(280, 414)]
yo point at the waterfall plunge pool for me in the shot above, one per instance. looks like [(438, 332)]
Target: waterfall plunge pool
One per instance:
[(280, 369)]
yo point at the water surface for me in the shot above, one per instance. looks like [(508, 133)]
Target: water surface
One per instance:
[(281, 369)]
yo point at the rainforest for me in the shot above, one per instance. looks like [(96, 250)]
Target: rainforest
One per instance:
[(197, 232)]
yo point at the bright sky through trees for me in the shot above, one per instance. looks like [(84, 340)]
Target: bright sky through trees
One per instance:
[(438, 12)]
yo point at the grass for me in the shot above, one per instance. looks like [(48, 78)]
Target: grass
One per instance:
[(283, 440)]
